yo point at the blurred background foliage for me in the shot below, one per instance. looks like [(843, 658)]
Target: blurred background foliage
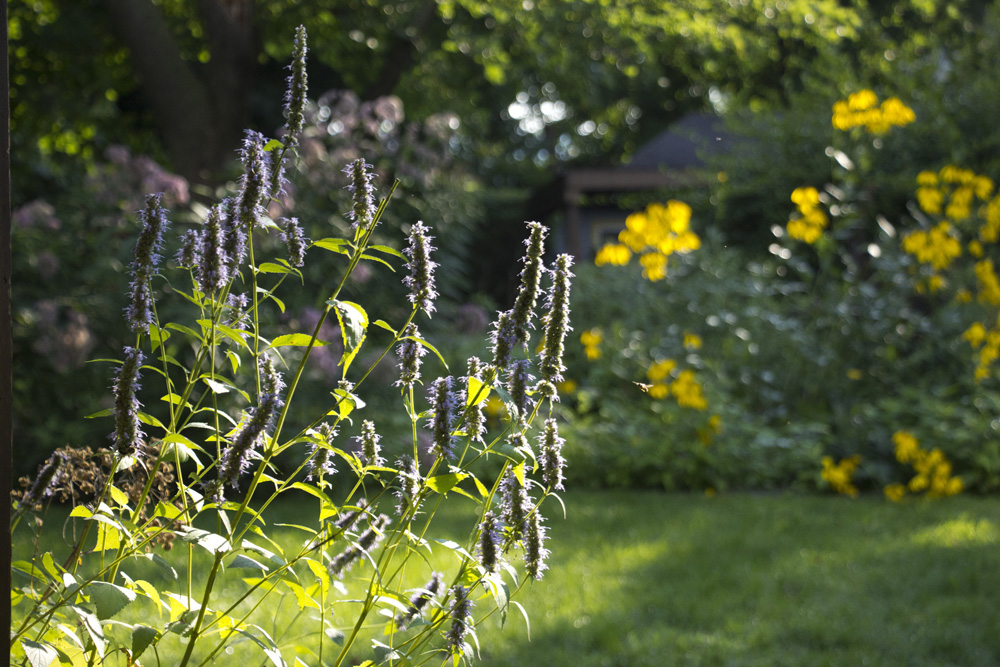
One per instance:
[(474, 105)]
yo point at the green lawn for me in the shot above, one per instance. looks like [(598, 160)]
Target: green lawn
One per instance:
[(652, 579)]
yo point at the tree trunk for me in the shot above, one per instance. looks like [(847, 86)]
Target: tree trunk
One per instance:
[(200, 114)]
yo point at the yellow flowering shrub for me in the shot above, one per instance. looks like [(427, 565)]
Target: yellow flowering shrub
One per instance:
[(591, 340), (933, 470), (808, 223), (862, 110), (839, 475), (654, 234)]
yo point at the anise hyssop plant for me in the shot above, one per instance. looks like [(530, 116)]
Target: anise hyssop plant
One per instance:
[(200, 469)]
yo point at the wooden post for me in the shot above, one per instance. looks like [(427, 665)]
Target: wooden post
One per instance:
[(6, 358)]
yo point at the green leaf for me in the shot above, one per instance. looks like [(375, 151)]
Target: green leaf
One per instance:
[(93, 627), (118, 495), (431, 348), (150, 592), (216, 386), (102, 413), (271, 267), (373, 258), (445, 483), (301, 596), (150, 420), (211, 542), (109, 598), (501, 594), (108, 537), (385, 325), (38, 654), (142, 637), (242, 562), (158, 336), (346, 403), (334, 245), (388, 250), (478, 391), (273, 144), (353, 325), (296, 340), (81, 511)]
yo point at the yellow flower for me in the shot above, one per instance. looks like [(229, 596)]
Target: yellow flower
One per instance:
[(855, 373), (862, 100), (975, 334), (692, 341), (660, 370), (895, 492), (615, 254), (811, 220), (567, 386), (907, 446), (687, 390), (591, 340), (654, 266), (659, 391), (838, 475)]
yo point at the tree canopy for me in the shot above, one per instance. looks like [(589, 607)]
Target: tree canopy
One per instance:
[(534, 83)]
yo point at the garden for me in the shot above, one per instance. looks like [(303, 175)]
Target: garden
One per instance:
[(299, 382)]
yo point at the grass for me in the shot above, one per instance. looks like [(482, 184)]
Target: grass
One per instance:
[(651, 579)]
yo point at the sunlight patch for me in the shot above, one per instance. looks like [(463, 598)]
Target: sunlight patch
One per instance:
[(959, 532)]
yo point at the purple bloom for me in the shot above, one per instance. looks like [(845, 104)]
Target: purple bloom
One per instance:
[(551, 460), (363, 212), (420, 281), (409, 485), (213, 269), (527, 295), (295, 241), (460, 612), (320, 460), (517, 385), (249, 205), (441, 425), (236, 457), (535, 552), (298, 82), (410, 353), (237, 310), (514, 504), (420, 598), (475, 420), (369, 444), (366, 542), (503, 338), (489, 538), (154, 222), (189, 256), (556, 321), (49, 477), (234, 234), (126, 411)]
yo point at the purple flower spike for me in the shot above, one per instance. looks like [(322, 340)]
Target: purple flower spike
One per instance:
[(443, 400), (139, 313), (250, 200), (420, 281), (363, 212), (213, 272), (126, 411)]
